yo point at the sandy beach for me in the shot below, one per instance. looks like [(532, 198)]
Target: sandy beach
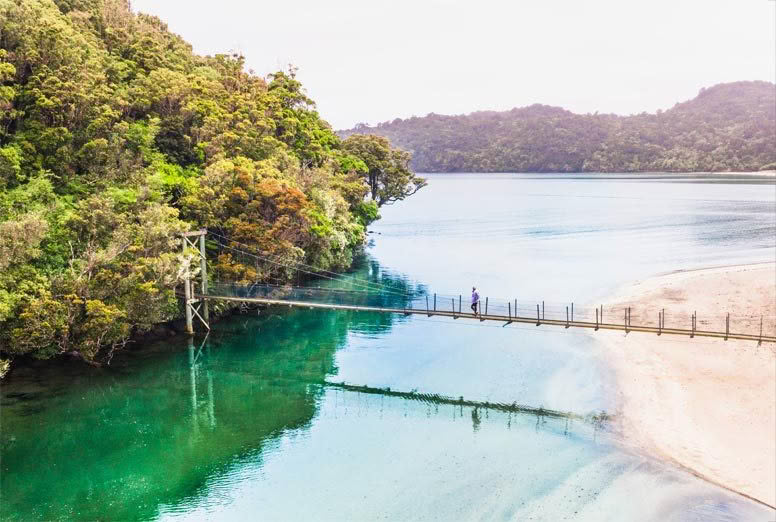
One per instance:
[(709, 405)]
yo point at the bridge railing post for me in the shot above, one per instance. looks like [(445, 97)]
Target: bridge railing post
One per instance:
[(626, 320), (596, 319), (727, 326), (760, 342), (659, 322)]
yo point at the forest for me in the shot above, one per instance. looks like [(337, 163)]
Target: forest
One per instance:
[(727, 127), (116, 138)]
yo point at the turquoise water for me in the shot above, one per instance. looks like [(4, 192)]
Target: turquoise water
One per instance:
[(251, 424)]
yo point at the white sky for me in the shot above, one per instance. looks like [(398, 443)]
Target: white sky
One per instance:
[(371, 61)]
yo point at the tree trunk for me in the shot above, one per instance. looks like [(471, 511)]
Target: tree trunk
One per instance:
[(373, 177)]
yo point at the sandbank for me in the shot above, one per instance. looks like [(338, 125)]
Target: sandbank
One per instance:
[(708, 405)]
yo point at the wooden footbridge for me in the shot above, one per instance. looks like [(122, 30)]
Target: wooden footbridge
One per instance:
[(375, 297)]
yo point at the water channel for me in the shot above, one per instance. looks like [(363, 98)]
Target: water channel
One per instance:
[(254, 421)]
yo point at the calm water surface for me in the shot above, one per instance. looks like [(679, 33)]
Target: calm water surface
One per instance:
[(252, 424)]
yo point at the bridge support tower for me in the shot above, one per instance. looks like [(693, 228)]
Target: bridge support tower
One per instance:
[(194, 243)]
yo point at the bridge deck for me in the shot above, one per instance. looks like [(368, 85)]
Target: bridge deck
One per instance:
[(498, 318)]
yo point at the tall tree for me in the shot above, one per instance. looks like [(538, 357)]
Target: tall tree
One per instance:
[(388, 170)]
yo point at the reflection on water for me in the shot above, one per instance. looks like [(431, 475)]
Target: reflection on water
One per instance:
[(149, 430), (367, 455), (437, 419)]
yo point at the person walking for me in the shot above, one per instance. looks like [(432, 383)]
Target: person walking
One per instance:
[(475, 300)]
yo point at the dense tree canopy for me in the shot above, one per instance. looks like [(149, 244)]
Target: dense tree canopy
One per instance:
[(114, 139), (726, 127)]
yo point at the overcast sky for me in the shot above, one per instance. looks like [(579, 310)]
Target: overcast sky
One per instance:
[(371, 61)]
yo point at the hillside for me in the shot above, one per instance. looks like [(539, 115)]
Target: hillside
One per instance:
[(115, 138), (726, 127)]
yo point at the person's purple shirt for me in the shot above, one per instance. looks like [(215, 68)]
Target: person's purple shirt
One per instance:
[(475, 297)]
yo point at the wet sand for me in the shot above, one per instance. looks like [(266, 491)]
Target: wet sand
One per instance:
[(708, 405)]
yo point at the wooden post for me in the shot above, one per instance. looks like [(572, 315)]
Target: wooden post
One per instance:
[(596, 319), (542, 309), (537, 316), (659, 322), (727, 326), (427, 311), (435, 301), (516, 314), (692, 333), (629, 316), (572, 311), (509, 310), (626, 320), (486, 309), (567, 316), (761, 332), (459, 303), (664, 317), (602, 314)]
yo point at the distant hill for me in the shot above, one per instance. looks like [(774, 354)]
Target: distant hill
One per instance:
[(730, 126)]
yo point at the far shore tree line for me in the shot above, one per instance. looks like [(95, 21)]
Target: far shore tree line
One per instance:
[(727, 127)]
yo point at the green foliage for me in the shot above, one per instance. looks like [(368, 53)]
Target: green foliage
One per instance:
[(726, 127), (387, 174), (10, 166), (367, 212), (115, 138)]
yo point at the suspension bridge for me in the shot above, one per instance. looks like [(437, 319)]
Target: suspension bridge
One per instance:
[(375, 297)]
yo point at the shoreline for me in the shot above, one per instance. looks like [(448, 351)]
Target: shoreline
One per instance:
[(706, 405)]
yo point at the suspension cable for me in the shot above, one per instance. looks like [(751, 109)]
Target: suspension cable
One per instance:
[(314, 271), (364, 286)]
